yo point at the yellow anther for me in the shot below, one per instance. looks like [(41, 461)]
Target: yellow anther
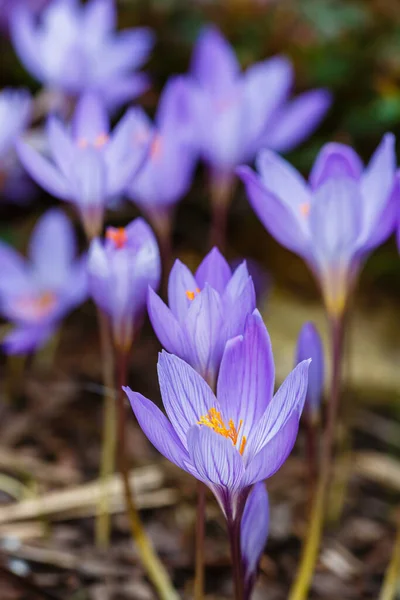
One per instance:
[(305, 209), (213, 419), (191, 295)]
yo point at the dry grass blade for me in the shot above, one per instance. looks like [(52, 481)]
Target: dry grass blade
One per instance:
[(379, 468)]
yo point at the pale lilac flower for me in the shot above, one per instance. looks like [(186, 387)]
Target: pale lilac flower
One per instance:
[(120, 272), (88, 165), (168, 171), (254, 534), (334, 220), (240, 113), (35, 295), (75, 48), (205, 311), (237, 438), (309, 345)]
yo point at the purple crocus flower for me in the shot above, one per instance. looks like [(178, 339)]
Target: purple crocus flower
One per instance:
[(254, 534), (336, 219), (239, 113), (309, 345), (15, 111), (168, 171), (205, 311), (36, 295), (74, 48), (237, 438), (120, 272), (89, 165)]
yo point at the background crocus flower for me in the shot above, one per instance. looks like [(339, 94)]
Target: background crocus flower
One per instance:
[(74, 48), (309, 345), (237, 438), (36, 294), (239, 113), (15, 111), (336, 219), (168, 170), (89, 165), (254, 534), (205, 311), (7, 7), (120, 271)]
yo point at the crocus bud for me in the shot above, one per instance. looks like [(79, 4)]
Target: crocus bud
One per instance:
[(309, 345), (120, 271), (255, 525)]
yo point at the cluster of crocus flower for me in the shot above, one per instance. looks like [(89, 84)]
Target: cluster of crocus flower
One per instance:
[(74, 48), (88, 165), (36, 295)]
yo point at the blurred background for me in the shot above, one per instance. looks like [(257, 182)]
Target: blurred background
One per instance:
[(50, 434)]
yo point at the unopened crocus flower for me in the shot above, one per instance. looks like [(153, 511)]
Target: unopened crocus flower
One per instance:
[(74, 48), (205, 311), (36, 294), (88, 165), (237, 438), (309, 345), (239, 113), (15, 110), (168, 170), (254, 534), (334, 220), (120, 271)]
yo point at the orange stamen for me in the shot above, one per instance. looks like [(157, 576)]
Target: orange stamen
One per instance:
[(191, 295), (39, 305), (101, 140), (156, 147), (305, 209), (214, 421), (83, 143), (117, 235)]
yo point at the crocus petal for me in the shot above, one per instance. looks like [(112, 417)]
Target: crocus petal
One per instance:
[(215, 459), (272, 456), (237, 283), (246, 377), (90, 123), (283, 180), (254, 533), (100, 16), (88, 187), (122, 89), (297, 120), (274, 214), (213, 270), (27, 339), (25, 41), (52, 249), (61, 145), (335, 160), (15, 273), (376, 184), (237, 309), (157, 428), (99, 272), (43, 172), (165, 325), (180, 281), (185, 394), (386, 222), (203, 326), (288, 402), (214, 63), (309, 345), (177, 110)]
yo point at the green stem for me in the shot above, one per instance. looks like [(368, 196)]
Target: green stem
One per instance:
[(391, 581), (312, 543), (156, 571), (107, 467), (200, 526)]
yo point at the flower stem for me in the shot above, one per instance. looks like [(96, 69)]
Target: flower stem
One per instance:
[(200, 527), (311, 545), (237, 565), (392, 577), (221, 191), (156, 571), (108, 448)]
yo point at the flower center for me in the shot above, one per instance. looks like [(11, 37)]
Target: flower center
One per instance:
[(117, 235), (305, 209), (100, 141), (38, 306), (191, 295), (213, 419)]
